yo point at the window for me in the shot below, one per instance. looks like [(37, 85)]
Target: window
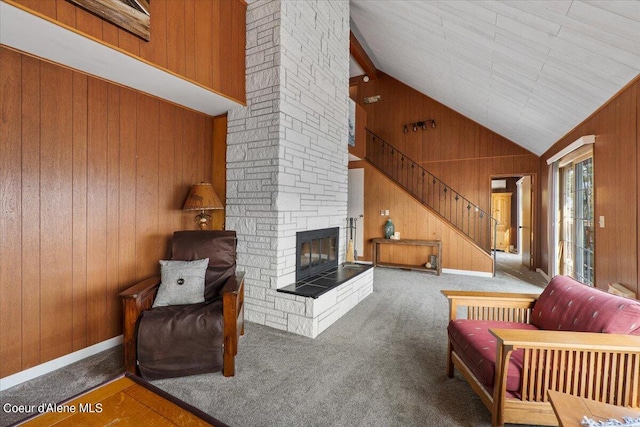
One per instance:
[(576, 208), (571, 232)]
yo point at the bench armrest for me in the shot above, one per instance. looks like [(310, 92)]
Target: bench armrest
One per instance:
[(507, 306), (598, 366), (566, 340)]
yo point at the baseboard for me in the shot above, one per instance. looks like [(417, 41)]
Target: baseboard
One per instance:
[(52, 365), (467, 272)]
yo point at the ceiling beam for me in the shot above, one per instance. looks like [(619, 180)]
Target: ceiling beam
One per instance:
[(361, 57)]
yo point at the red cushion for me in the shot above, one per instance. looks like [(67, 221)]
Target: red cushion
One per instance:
[(568, 305), (474, 344)]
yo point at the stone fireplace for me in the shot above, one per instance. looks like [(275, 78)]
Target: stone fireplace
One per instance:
[(287, 165)]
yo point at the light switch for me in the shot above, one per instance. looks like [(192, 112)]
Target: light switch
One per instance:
[(386, 212), (601, 221)]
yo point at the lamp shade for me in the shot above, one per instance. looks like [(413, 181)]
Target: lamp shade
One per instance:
[(202, 197)]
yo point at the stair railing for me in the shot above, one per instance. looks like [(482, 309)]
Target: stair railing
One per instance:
[(459, 211)]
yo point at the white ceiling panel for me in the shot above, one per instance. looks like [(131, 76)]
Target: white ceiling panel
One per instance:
[(622, 8), (529, 70)]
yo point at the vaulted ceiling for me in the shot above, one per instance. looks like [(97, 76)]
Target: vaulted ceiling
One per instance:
[(529, 70)]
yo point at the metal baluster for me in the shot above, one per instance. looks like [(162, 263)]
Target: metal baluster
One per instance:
[(469, 219)]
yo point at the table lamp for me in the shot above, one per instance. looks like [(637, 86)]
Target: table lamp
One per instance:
[(202, 198)]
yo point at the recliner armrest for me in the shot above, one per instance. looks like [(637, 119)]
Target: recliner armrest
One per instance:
[(135, 300), (141, 289), (233, 313), (233, 284)]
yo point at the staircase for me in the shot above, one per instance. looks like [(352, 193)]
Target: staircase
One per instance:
[(461, 213)]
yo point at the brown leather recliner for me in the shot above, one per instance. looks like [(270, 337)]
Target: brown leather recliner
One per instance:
[(180, 340)]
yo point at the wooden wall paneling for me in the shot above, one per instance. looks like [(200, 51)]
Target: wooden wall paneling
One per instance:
[(84, 203), (236, 58), (192, 159), (605, 178), (110, 33), (127, 254), (219, 170), (31, 274), (80, 209), (155, 50), (11, 208), (221, 30), (431, 136), (113, 303), (206, 141), (56, 261), (176, 37), (626, 166), (47, 8), (89, 23), (189, 174), (204, 42), (414, 222), (615, 158), (129, 42), (190, 40), (168, 205), (97, 233), (146, 200), (66, 13), (181, 219)]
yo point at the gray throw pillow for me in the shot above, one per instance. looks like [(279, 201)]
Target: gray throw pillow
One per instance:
[(182, 282)]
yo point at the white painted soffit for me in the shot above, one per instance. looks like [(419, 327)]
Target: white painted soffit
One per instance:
[(42, 38)]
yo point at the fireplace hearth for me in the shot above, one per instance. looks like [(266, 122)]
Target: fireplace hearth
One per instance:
[(317, 268)]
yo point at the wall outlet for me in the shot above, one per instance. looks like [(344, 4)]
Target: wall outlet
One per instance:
[(386, 212)]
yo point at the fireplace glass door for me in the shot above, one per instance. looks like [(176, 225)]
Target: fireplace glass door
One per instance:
[(317, 252)]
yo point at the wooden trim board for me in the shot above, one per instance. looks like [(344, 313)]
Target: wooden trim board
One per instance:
[(128, 399)]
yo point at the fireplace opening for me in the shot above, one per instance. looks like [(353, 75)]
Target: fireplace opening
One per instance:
[(317, 252)]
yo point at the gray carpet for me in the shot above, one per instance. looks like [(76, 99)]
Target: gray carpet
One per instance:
[(382, 364)]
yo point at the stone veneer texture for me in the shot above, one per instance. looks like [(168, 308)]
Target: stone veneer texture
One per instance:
[(287, 150)]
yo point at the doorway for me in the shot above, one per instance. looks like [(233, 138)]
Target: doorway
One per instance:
[(514, 240), (525, 214)]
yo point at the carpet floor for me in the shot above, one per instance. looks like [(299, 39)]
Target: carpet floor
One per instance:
[(382, 363)]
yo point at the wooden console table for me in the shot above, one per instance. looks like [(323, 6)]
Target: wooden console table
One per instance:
[(431, 243)]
